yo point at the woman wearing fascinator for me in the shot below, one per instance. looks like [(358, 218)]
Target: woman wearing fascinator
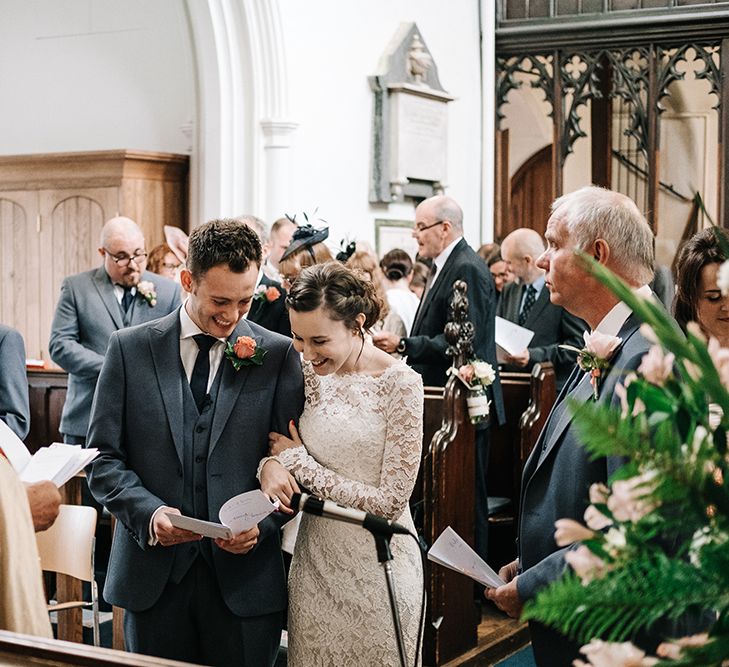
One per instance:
[(307, 248)]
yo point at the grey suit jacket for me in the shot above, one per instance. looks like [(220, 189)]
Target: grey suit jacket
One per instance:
[(137, 422), (14, 405), (86, 315), (555, 485), (552, 326)]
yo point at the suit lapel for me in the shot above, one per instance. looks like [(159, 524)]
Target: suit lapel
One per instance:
[(165, 346), (582, 393), (539, 305), (440, 280), (106, 292), (231, 384)]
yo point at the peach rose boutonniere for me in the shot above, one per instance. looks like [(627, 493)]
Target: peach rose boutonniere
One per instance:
[(244, 352), (267, 294), (146, 289), (595, 357)]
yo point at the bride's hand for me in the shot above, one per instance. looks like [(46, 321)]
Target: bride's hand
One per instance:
[(277, 482), (279, 442)]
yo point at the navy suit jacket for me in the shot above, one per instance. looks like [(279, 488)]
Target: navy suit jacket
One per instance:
[(86, 315), (426, 345), (555, 485), (271, 315), (552, 326), (14, 404), (137, 424)]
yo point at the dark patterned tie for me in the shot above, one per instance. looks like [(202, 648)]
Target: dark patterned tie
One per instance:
[(528, 303), (127, 299), (201, 370)]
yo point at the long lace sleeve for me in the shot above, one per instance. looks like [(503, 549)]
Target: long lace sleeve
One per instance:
[(401, 402)]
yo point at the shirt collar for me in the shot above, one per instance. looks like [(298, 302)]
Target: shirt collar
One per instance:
[(619, 313), (441, 259), (188, 328), (538, 283)]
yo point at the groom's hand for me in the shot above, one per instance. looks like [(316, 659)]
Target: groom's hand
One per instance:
[(166, 534), (242, 543)]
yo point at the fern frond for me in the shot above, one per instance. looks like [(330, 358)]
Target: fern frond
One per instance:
[(629, 599)]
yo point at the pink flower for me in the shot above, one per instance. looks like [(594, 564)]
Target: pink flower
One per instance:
[(601, 345), (272, 293), (628, 501), (621, 391), (599, 493), (569, 531), (647, 332), (244, 347), (613, 654), (655, 366), (587, 565), (466, 373), (595, 519), (672, 650)]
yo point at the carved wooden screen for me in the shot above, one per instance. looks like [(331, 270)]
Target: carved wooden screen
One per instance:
[(625, 80)]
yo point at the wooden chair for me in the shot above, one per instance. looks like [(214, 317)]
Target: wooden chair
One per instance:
[(67, 547)]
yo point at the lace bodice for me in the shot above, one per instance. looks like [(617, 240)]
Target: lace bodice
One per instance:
[(362, 439)]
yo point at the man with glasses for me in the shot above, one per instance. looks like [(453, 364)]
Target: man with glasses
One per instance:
[(439, 232), (96, 303)]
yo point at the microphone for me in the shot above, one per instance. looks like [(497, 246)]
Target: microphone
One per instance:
[(331, 510)]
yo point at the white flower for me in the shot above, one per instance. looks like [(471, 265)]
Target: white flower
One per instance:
[(146, 289), (587, 565), (656, 367), (613, 654), (595, 519), (569, 531), (483, 372), (615, 540), (601, 345), (694, 328), (722, 278), (627, 500)]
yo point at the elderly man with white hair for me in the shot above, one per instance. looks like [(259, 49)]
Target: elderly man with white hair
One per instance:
[(608, 227), (94, 304)]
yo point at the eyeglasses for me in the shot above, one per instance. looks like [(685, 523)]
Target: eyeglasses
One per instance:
[(420, 227), (124, 260), (169, 265)]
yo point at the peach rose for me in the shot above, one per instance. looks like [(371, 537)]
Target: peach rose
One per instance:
[(245, 347), (466, 373), (272, 293), (601, 345)]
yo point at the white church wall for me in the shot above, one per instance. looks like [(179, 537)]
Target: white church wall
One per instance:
[(84, 75)]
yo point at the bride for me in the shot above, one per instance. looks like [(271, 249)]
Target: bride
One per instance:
[(359, 445)]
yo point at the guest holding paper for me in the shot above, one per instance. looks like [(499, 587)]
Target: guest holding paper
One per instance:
[(359, 445), (43, 497), (181, 417), (526, 303)]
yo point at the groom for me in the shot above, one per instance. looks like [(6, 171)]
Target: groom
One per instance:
[(608, 227), (181, 431)]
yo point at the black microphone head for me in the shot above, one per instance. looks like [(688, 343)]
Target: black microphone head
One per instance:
[(298, 500)]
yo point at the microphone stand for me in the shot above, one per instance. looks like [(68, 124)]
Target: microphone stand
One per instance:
[(384, 556)]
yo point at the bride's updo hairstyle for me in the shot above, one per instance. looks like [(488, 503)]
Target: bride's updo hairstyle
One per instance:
[(339, 291)]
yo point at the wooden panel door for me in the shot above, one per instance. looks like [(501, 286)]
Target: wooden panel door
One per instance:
[(20, 283), (70, 231), (531, 193)]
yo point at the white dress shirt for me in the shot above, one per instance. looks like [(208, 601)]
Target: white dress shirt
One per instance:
[(619, 313), (189, 348), (440, 260)]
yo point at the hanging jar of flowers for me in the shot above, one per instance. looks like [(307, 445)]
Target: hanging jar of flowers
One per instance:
[(477, 375)]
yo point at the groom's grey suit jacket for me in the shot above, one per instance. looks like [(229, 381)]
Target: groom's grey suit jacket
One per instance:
[(137, 424), (86, 315), (555, 485)]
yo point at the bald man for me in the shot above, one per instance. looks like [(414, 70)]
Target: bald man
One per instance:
[(96, 303), (526, 302)]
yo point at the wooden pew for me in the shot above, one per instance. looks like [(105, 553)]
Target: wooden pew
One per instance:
[(528, 398), (17, 649)]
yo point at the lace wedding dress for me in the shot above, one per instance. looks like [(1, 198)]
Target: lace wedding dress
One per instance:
[(363, 438)]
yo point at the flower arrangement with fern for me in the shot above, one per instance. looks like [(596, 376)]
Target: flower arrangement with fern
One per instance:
[(672, 431)]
